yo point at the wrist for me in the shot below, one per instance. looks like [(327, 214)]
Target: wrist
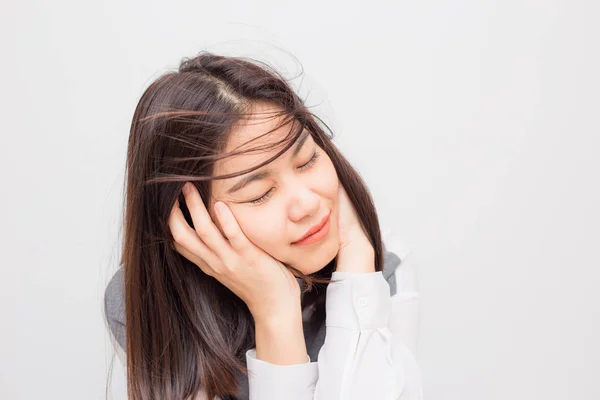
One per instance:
[(275, 313), (279, 320), (356, 257), (280, 339)]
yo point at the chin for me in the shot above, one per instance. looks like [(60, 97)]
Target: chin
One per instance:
[(317, 260)]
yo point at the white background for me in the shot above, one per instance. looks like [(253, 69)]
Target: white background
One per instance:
[(474, 122)]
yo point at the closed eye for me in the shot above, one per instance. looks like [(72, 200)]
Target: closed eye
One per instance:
[(309, 164)]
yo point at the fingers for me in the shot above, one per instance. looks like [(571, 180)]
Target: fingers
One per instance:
[(231, 228), (195, 259), (205, 228), (185, 237)]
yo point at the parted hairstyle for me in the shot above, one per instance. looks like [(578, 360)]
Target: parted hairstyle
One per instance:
[(179, 320)]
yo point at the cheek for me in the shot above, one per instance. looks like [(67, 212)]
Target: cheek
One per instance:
[(261, 227), (328, 180)]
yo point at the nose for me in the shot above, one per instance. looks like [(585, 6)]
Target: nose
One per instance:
[(304, 203)]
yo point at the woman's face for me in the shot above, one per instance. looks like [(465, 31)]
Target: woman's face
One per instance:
[(295, 192)]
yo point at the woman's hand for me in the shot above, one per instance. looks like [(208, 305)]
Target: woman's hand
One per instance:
[(356, 254), (266, 286)]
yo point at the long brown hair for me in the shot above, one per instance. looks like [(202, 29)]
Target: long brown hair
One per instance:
[(185, 330)]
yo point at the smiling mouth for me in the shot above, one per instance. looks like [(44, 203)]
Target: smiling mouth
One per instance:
[(317, 234)]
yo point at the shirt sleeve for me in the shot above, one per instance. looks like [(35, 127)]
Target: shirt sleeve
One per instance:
[(114, 308), (368, 352)]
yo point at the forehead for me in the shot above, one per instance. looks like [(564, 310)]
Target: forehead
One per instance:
[(263, 129), (246, 135), (262, 122)]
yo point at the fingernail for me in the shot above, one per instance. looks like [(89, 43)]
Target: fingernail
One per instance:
[(219, 208), (186, 188)]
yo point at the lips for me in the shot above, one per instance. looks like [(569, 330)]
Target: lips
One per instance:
[(314, 229)]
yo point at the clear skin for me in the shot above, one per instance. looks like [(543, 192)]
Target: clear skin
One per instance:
[(242, 242), (297, 196)]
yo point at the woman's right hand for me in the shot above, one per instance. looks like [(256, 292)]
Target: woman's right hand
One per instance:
[(267, 287)]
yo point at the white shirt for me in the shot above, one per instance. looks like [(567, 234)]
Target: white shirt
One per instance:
[(370, 343), (370, 347)]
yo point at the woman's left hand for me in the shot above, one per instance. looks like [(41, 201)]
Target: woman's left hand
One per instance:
[(356, 253)]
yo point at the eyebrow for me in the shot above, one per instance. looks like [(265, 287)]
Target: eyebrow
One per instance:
[(265, 174)]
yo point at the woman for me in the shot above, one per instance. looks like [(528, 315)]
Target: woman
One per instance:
[(253, 263)]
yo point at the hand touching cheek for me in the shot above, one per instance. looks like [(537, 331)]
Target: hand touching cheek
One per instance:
[(356, 254)]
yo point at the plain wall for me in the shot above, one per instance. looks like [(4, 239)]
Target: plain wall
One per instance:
[(475, 124)]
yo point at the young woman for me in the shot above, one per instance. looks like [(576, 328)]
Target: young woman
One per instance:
[(253, 263)]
